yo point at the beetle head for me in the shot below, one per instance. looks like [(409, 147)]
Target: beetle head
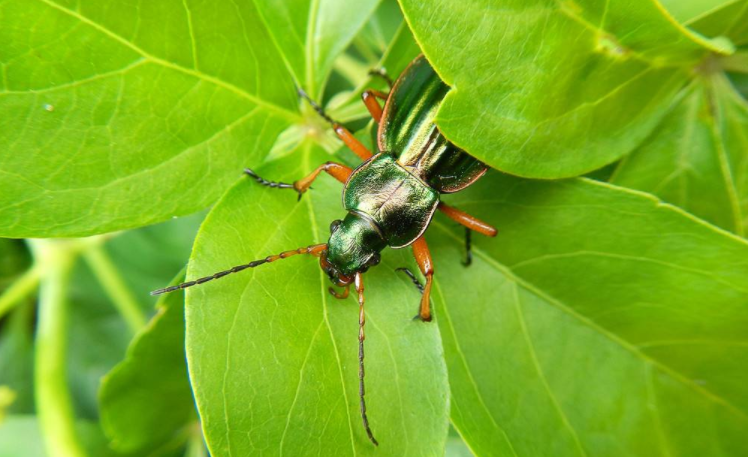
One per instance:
[(354, 246)]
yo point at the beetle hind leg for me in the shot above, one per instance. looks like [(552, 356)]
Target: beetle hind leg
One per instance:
[(468, 248), (423, 259)]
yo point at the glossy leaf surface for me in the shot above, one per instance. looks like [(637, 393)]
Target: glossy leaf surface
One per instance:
[(273, 357), (599, 319), (117, 115), (552, 89), (698, 158)]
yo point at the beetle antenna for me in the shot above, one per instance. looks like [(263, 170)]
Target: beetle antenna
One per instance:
[(359, 282), (316, 250), (314, 105)]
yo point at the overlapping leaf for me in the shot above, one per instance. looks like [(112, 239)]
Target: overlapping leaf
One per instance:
[(123, 114), (146, 400), (555, 88), (698, 158), (598, 322), (273, 357)]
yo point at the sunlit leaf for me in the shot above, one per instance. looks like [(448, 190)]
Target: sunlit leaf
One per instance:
[(146, 400), (555, 88), (273, 357), (598, 322), (116, 115), (698, 158)]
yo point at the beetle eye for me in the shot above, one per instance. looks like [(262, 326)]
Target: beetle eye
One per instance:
[(334, 225), (374, 260)]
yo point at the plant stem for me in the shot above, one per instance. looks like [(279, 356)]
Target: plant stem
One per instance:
[(53, 402), (114, 286), (196, 443), (20, 289), (737, 62)]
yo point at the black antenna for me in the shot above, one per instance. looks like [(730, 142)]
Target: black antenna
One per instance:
[(316, 107), (315, 250)]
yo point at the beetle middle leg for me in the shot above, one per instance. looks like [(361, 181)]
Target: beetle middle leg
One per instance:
[(380, 72), (471, 224), (336, 170), (423, 259), (343, 133)]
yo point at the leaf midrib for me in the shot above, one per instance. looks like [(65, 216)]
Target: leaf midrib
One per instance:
[(323, 293)]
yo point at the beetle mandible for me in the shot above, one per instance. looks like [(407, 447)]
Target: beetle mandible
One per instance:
[(390, 198)]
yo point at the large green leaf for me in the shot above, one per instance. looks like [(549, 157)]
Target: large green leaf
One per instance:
[(146, 400), (554, 88), (698, 158), (118, 114), (311, 33), (273, 357), (598, 322)]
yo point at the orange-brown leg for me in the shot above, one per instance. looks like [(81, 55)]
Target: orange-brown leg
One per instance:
[(343, 133), (471, 224), (339, 295), (370, 100), (423, 259), (336, 170), (356, 146), (467, 220)]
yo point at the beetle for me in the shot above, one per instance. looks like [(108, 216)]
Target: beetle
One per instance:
[(390, 198)]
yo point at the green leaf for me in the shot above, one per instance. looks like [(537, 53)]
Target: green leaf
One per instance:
[(19, 436), (146, 258), (553, 89), (403, 49), (146, 400), (598, 322), (311, 33), (137, 113), (722, 18), (17, 359), (273, 357), (698, 158)]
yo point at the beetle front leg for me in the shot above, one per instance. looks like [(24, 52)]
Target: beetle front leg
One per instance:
[(343, 133), (336, 170), (423, 259)]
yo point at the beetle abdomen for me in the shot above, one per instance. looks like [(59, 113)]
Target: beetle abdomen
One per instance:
[(407, 131), (398, 202)]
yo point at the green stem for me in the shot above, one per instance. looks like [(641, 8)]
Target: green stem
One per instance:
[(111, 280), (737, 62), (53, 402), (20, 289), (196, 444)]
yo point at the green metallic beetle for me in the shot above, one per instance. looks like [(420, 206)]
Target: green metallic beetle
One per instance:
[(391, 198)]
